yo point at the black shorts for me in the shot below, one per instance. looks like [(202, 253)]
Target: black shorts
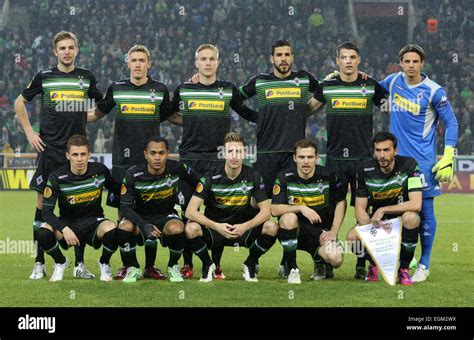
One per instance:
[(85, 230), (270, 164), (159, 222), (201, 166), (46, 162), (113, 198), (214, 240), (346, 170), (308, 234)]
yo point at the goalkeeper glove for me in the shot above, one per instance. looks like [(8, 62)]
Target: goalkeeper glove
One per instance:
[(444, 168), (331, 75)]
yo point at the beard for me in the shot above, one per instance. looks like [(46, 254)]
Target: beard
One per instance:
[(284, 72)]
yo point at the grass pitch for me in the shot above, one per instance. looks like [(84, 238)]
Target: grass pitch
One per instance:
[(450, 283)]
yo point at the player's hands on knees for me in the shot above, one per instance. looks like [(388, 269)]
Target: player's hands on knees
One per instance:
[(239, 229), (35, 140), (226, 230), (150, 231), (310, 214), (377, 218), (327, 236), (70, 237)]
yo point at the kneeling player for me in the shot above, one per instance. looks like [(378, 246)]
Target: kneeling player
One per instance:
[(310, 203), (148, 196), (78, 188), (391, 186), (230, 217)]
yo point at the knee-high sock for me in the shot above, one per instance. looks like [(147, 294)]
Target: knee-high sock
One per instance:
[(36, 225), (109, 245), (79, 253), (128, 246), (409, 241), (289, 241), (427, 230), (176, 247), (47, 241), (261, 245), (199, 247), (216, 253), (151, 248)]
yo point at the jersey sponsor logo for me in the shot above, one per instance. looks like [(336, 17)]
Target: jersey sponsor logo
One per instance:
[(66, 95), (123, 189), (383, 195), (349, 103), (149, 196), (285, 92), (208, 105), (308, 201), (406, 104), (276, 189), (142, 109), (47, 192), (83, 198), (233, 200)]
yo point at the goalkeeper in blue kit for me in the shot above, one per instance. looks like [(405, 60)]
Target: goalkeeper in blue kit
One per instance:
[(416, 105)]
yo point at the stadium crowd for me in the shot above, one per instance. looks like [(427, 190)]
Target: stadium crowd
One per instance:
[(172, 32)]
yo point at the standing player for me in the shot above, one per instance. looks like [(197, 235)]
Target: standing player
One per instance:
[(78, 189), (282, 109), (64, 90), (349, 103), (310, 204), (148, 196), (139, 104), (391, 186), (231, 194), (282, 97), (416, 105), (205, 109)]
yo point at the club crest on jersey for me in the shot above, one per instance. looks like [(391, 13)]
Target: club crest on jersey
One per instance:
[(221, 93), (297, 81), (81, 83), (152, 97), (363, 91), (399, 179), (320, 188), (419, 97), (169, 182), (96, 182), (244, 187)]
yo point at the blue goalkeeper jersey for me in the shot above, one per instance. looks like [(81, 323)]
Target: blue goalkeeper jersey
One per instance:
[(414, 113)]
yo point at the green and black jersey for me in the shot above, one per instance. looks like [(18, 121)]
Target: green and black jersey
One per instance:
[(78, 196), (349, 114), (282, 108), (206, 116), (321, 192), (388, 189), (64, 103), (146, 196), (138, 112), (229, 201)]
